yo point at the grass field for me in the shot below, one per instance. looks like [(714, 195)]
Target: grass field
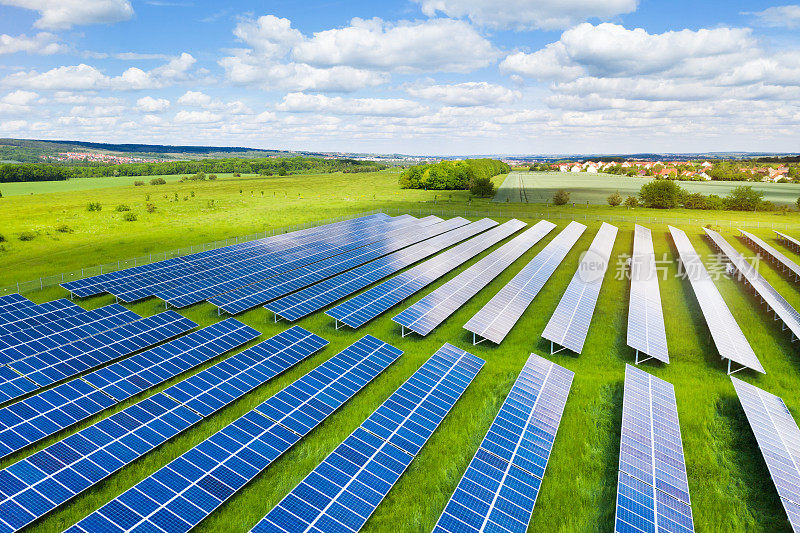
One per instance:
[(730, 485), (539, 187)]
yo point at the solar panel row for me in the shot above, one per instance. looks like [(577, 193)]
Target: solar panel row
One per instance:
[(11, 302), (343, 491), (95, 284), (778, 437), (498, 316), (652, 490), (570, 321), (53, 410), (781, 308), (728, 337), (37, 315), (646, 331), (370, 304), (766, 249), (259, 293), (789, 242), (181, 494), (316, 297), (41, 482), (499, 489)]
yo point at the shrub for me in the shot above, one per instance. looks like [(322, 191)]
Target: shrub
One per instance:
[(158, 181), (744, 198), (694, 201), (150, 208), (94, 206), (212, 177), (63, 228), (714, 202), (27, 236), (235, 175), (130, 216), (2, 238), (122, 207), (561, 197), (482, 188), (615, 199), (192, 194), (138, 183), (631, 201), (661, 194)]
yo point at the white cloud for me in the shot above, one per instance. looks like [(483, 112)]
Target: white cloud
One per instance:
[(202, 100), (392, 107), (778, 16), (465, 94), (19, 98), (176, 69), (148, 104), (43, 43), (529, 14), (270, 36), (13, 125), (63, 14), (197, 117), (194, 98)]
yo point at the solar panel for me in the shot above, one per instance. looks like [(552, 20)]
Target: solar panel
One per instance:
[(570, 321), (181, 287), (433, 309), (35, 485), (53, 410), (646, 332), (498, 316), (181, 494), (36, 315), (778, 437), (789, 242), (316, 297), (781, 309), (259, 293), (93, 285), (728, 337), (15, 346), (360, 309), (70, 360), (652, 490), (784, 263), (499, 489), (345, 489), (11, 302)]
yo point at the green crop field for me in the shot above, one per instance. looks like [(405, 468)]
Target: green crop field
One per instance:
[(539, 187), (730, 486)]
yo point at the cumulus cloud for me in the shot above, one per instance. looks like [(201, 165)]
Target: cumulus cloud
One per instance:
[(465, 94), (202, 100), (43, 43), (17, 102), (197, 117), (529, 14), (148, 104), (778, 16), (394, 107), (64, 14)]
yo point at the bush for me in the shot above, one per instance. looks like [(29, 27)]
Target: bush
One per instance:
[(63, 228), (94, 206), (482, 188), (797, 203), (150, 208), (744, 198), (714, 202), (661, 194), (212, 177), (158, 181), (694, 201), (138, 183), (130, 216), (27, 236), (615, 199), (631, 201), (2, 238), (235, 175), (122, 207), (561, 197)]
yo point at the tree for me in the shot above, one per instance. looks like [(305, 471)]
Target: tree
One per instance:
[(482, 188), (661, 194), (797, 203), (561, 197), (615, 199), (631, 201), (744, 198)]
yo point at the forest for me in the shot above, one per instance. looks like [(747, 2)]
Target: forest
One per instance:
[(451, 175)]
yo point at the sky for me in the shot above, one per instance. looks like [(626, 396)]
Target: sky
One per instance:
[(426, 77)]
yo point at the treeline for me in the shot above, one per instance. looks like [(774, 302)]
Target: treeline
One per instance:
[(666, 194), (452, 175), (266, 166)]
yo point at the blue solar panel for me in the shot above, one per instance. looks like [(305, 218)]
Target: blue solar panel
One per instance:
[(345, 489), (499, 488), (36, 315), (302, 303), (62, 470), (11, 302), (181, 494), (70, 360), (15, 346), (360, 309), (37, 417), (653, 491)]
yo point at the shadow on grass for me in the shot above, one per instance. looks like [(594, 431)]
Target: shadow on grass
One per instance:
[(607, 412)]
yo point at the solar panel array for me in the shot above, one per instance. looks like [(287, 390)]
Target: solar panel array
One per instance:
[(646, 331), (772, 254), (53, 410), (97, 284), (570, 321), (45, 480), (11, 302), (37, 315), (499, 489), (181, 494), (360, 309), (728, 337), (790, 242), (343, 491), (498, 316), (433, 309), (316, 297), (259, 293), (778, 437), (782, 309), (653, 490)]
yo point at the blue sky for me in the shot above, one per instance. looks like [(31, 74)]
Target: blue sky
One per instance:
[(417, 76)]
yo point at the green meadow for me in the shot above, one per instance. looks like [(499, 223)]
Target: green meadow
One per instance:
[(730, 485)]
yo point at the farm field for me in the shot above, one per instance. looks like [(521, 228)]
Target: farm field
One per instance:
[(730, 486), (539, 187)]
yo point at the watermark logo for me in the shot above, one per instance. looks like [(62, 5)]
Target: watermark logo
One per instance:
[(593, 267)]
